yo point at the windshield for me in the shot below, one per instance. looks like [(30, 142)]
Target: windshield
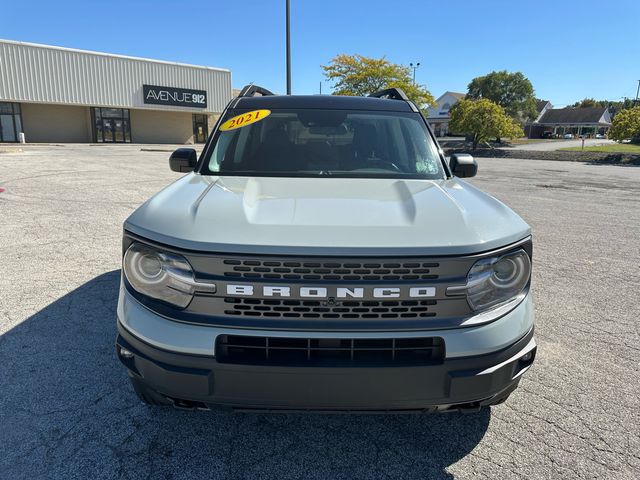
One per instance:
[(323, 142)]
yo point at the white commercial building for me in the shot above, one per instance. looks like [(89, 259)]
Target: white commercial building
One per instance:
[(439, 115), (53, 94)]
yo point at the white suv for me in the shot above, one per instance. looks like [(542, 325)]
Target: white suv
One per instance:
[(321, 254)]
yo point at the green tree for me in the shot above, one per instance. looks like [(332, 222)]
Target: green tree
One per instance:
[(359, 75), (512, 91), (614, 107), (590, 103), (483, 119), (626, 125)]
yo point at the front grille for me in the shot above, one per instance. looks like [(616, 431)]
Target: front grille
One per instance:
[(347, 271), (295, 310), (257, 307), (250, 350)]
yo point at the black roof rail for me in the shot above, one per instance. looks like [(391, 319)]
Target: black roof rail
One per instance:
[(391, 93), (251, 90)]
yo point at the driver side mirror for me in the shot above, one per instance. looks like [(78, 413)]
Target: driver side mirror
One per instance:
[(463, 165), (183, 160)]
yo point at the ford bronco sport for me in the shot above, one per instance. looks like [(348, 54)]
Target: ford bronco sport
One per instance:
[(322, 255)]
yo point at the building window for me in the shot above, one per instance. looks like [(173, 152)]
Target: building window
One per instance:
[(10, 122), (111, 125), (200, 128)]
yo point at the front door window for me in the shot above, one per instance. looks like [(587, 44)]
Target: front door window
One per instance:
[(112, 125), (200, 128), (10, 122)]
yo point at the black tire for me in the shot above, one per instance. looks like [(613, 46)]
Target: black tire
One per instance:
[(147, 395)]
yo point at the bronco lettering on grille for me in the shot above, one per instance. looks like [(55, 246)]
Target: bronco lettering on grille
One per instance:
[(327, 292)]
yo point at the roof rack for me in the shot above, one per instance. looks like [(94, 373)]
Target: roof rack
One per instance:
[(392, 94), (251, 91)]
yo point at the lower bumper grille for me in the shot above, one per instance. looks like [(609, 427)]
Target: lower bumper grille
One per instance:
[(249, 350)]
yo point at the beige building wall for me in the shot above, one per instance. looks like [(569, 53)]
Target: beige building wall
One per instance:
[(55, 123), (151, 126), (212, 121)]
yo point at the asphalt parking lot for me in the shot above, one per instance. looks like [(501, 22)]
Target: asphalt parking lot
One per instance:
[(67, 410)]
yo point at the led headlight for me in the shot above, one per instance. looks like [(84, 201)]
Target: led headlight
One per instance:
[(495, 280), (161, 275)]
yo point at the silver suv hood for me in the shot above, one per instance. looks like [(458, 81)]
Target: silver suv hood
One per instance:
[(330, 216)]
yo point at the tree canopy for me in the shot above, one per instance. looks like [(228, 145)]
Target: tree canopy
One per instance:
[(512, 91), (359, 75), (626, 125), (590, 103), (614, 106), (483, 119)]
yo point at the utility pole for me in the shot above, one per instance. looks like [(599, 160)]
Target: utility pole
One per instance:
[(320, 87), (637, 93), (288, 48), (414, 70)]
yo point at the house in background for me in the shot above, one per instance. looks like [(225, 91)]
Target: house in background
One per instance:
[(576, 121), (439, 116), (533, 129), (541, 108)]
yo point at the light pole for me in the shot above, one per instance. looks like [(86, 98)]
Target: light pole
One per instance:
[(288, 49), (414, 70)]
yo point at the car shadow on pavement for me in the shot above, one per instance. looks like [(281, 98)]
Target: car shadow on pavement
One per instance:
[(67, 410)]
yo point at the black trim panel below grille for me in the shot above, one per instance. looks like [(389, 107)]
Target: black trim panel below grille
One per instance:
[(253, 350)]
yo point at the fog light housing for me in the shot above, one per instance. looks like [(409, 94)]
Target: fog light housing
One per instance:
[(527, 356), (124, 353)]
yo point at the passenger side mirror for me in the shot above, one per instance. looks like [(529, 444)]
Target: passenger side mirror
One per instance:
[(183, 160), (463, 165)]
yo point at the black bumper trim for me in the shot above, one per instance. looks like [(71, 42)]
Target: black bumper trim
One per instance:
[(455, 383)]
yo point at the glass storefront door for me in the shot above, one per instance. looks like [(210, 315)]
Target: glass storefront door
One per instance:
[(200, 128), (10, 122), (112, 125)]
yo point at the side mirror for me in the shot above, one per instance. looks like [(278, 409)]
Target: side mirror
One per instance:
[(463, 165), (183, 160)]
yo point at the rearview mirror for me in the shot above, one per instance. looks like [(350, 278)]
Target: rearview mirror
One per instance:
[(183, 160), (463, 165)]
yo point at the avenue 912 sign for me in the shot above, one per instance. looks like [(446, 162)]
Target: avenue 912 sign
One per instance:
[(178, 97)]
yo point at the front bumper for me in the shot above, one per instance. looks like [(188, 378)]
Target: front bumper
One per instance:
[(186, 338), (457, 383)]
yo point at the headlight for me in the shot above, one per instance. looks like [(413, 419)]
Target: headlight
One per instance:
[(161, 275), (496, 280)]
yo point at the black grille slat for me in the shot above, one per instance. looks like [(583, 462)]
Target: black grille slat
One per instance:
[(347, 271), (317, 309), (250, 350)]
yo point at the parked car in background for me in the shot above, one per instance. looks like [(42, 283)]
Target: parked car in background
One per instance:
[(548, 134), (568, 136), (600, 135)]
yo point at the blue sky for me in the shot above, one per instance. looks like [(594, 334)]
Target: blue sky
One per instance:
[(569, 50)]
